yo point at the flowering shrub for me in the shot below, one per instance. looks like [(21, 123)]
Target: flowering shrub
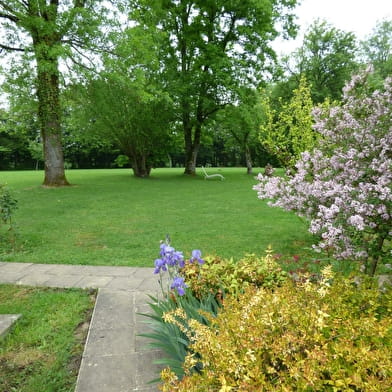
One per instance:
[(220, 276), (344, 187), (329, 336)]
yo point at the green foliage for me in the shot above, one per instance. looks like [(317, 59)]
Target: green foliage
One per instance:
[(327, 60), (241, 122), (47, 32), (8, 205), (121, 161), (126, 105), (208, 284), (133, 118), (224, 276), (200, 64), (287, 132), (168, 322), (332, 335), (377, 50), (17, 126)]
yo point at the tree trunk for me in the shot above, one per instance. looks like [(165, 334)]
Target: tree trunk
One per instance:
[(54, 160), (377, 251), (248, 159), (192, 146), (139, 165), (49, 114), (190, 160)]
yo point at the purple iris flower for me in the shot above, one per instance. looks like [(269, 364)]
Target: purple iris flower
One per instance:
[(179, 259), (166, 250), (196, 256), (160, 265), (179, 285)]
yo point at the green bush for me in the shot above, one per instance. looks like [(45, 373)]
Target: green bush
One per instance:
[(225, 276), (333, 335), (8, 205)]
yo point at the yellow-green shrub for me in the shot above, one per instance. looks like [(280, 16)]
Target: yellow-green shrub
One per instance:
[(225, 275), (330, 336)]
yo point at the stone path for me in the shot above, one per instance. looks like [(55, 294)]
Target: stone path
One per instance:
[(115, 358), (6, 322)]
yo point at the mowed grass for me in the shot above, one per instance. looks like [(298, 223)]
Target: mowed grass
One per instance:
[(109, 217), (43, 350)]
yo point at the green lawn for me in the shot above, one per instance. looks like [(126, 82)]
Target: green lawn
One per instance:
[(108, 217), (42, 352)]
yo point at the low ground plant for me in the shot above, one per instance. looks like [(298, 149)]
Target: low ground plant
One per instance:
[(8, 205), (332, 335)]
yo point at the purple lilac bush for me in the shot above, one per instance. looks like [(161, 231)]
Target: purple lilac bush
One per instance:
[(343, 187)]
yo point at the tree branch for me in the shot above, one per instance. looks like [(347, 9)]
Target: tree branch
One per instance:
[(12, 18), (73, 59), (79, 3), (8, 12), (10, 48)]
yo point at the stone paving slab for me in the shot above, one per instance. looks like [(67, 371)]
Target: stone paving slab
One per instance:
[(63, 281), (94, 281), (119, 283), (115, 358), (33, 279), (6, 322), (82, 276), (13, 267)]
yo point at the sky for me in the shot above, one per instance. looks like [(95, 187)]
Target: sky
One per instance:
[(357, 16)]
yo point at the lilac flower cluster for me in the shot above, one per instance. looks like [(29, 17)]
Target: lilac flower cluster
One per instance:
[(344, 186), (172, 261)]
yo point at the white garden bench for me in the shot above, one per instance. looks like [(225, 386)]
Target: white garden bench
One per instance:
[(209, 176)]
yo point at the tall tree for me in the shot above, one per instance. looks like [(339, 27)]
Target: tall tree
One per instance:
[(134, 119), (125, 104), (377, 49), (288, 132), (209, 47), (46, 31), (242, 121), (327, 58)]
